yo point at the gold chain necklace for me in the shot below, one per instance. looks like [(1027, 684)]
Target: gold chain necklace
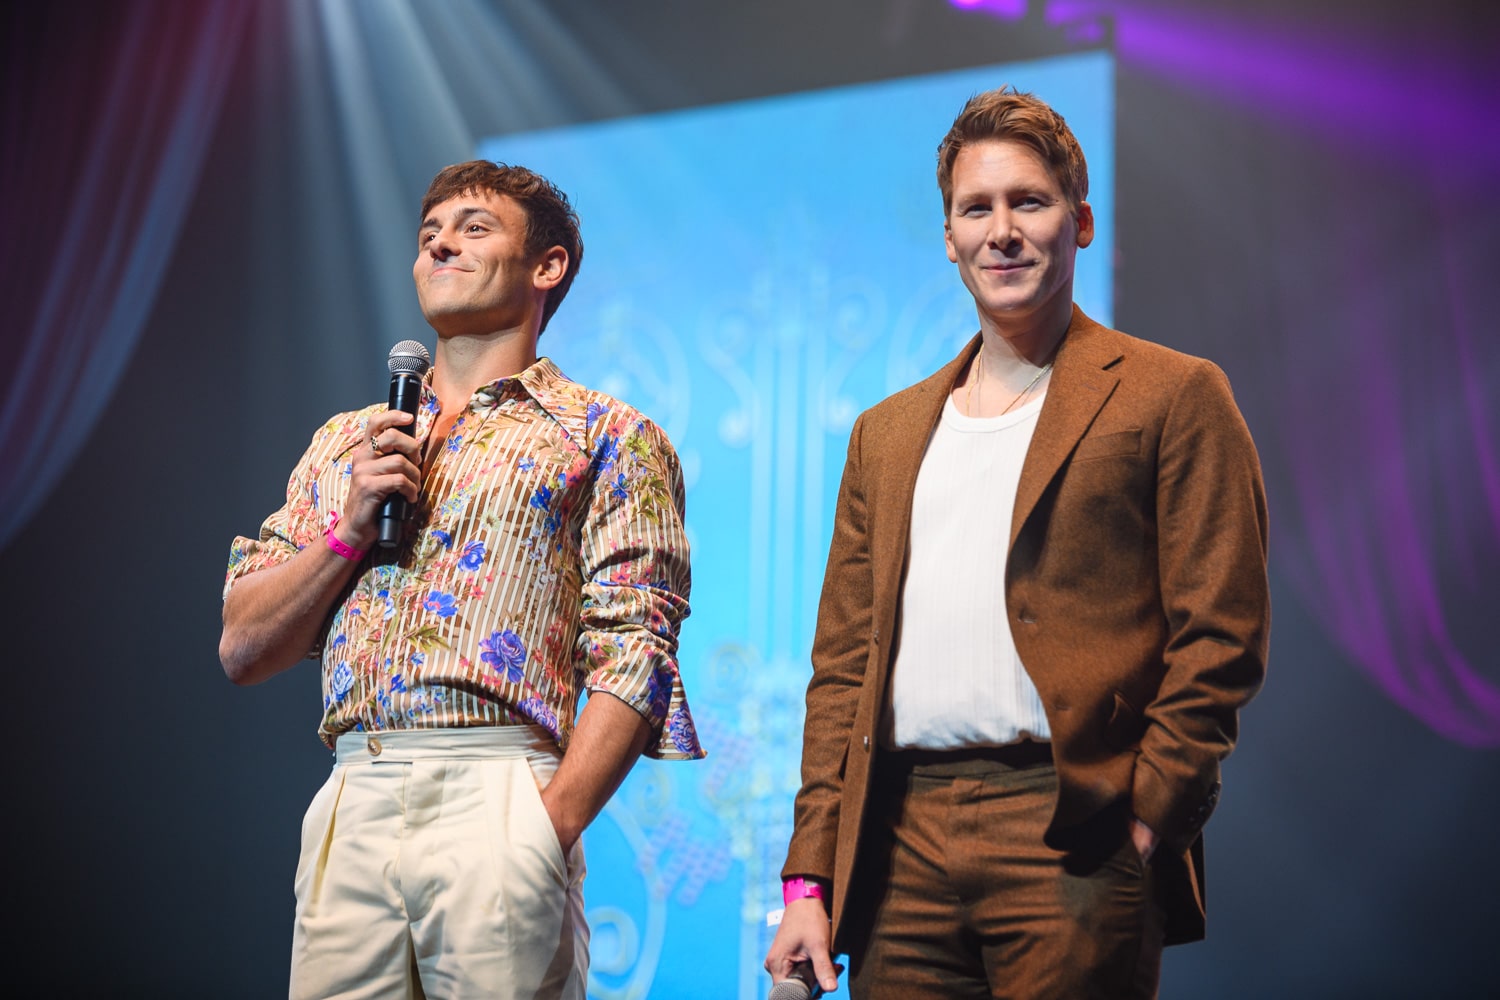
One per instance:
[(1029, 386), (979, 375)]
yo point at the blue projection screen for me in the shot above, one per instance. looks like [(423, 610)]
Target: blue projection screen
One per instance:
[(754, 276)]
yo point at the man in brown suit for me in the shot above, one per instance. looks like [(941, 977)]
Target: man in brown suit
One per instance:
[(1017, 810)]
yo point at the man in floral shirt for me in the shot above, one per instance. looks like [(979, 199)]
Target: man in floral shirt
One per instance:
[(544, 557)]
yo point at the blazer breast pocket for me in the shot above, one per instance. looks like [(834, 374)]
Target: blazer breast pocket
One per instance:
[(1118, 444)]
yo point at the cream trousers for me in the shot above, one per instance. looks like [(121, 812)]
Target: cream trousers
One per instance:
[(430, 868)]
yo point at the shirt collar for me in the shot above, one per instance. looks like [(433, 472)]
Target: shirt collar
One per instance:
[(562, 399)]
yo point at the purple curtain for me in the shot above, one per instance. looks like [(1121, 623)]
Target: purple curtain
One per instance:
[(96, 179), (1362, 313), (1390, 529)]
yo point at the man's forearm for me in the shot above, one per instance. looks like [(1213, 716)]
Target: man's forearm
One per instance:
[(610, 735), (272, 617)]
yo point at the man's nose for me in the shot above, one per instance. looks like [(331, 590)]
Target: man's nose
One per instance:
[(1002, 229), (442, 245)]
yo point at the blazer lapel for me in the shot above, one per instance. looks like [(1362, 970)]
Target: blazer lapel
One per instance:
[(893, 472), (1080, 385), (923, 410)]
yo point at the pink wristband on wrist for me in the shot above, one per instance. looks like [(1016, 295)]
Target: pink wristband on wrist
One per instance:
[(348, 552), (800, 888)]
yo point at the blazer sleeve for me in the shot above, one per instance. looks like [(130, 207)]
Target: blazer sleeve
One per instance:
[(1211, 546), (841, 650)]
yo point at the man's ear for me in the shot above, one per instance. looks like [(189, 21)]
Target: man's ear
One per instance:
[(1085, 216), (550, 269)]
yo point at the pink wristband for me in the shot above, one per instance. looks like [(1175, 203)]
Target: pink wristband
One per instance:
[(800, 888), (349, 553)]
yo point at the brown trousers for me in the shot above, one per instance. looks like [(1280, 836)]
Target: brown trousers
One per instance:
[(958, 896)]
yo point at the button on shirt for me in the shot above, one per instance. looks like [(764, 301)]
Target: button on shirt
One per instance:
[(546, 556)]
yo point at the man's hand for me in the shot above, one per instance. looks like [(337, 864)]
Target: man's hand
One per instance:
[(803, 937), (1144, 839), (272, 617), (387, 463)]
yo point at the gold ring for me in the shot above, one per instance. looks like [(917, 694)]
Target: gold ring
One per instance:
[(375, 446)]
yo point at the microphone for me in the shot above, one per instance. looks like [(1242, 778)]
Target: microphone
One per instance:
[(408, 362), (802, 984)]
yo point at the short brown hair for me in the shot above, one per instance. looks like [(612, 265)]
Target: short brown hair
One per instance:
[(550, 218), (1009, 114)]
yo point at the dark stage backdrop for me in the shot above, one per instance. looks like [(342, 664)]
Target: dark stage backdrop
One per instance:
[(211, 208)]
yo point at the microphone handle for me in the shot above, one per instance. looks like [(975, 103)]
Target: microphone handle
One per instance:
[(406, 395), (802, 984)]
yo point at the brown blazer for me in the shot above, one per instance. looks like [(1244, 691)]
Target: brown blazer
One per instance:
[(1137, 590)]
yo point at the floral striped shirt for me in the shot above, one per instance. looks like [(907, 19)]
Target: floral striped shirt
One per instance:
[(545, 557)]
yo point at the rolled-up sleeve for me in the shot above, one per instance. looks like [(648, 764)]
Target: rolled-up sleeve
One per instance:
[(283, 534), (636, 581)]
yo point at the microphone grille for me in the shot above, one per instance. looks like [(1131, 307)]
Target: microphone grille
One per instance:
[(409, 356), (789, 989)]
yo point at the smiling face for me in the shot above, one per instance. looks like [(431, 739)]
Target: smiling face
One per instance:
[(472, 271), (1013, 234)]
